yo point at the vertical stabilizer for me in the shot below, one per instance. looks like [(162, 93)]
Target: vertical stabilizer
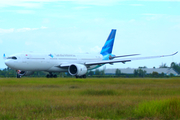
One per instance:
[(108, 46)]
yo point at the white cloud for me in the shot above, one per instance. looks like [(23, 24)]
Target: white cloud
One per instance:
[(26, 29), (20, 11), (20, 29), (1, 41), (136, 5), (20, 3), (97, 2), (29, 43), (24, 11), (39, 3), (176, 26), (162, 0), (95, 49), (6, 30), (150, 16), (43, 27), (132, 20), (81, 7)]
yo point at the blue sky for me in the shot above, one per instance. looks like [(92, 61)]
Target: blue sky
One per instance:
[(146, 27)]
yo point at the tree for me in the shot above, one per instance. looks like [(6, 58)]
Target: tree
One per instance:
[(135, 73), (163, 65), (171, 75), (97, 72), (102, 72), (155, 74), (176, 67), (142, 67), (118, 72), (90, 73), (162, 74), (139, 72)]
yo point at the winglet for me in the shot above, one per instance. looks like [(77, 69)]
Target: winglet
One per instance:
[(175, 53)]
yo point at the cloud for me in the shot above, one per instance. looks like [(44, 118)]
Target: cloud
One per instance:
[(20, 3), (43, 27), (6, 30), (95, 49), (1, 41), (176, 26), (20, 29), (132, 20), (26, 29), (150, 16), (81, 7), (40, 3), (136, 5), (29, 43), (24, 11), (162, 0), (97, 2)]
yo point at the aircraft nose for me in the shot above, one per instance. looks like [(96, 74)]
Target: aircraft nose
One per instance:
[(8, 63)]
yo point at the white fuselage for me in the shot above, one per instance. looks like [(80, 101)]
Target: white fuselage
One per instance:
[(49, 62)]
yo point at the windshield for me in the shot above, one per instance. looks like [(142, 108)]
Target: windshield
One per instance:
[(13, 57)]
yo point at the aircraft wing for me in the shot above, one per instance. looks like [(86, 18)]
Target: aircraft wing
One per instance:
[(125, 60), (115, 61)]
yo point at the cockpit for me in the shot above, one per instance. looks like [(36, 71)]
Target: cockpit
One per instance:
[(13, 57)]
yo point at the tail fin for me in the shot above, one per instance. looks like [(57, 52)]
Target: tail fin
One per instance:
[(108, 46)]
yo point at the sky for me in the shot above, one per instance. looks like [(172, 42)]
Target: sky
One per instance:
[(146, 27)]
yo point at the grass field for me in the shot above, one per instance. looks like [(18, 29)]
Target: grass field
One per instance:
[(70, 98)]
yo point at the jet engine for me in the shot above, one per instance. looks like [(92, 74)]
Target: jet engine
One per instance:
[(77, 70), (24, 73)]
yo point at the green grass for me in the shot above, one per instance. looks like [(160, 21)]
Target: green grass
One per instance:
[(112, 98), (162, 109)]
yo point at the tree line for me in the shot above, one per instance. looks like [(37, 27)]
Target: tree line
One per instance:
[(8, 72)]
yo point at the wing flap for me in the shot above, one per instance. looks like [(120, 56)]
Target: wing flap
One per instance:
[(106, 62)]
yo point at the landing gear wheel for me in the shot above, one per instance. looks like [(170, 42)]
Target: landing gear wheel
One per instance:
[(50, 75), (55, 76), (84, 76), (18, 76)]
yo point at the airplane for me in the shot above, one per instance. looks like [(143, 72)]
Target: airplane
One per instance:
[(75, 64)]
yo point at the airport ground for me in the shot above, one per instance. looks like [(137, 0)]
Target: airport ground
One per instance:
[(92, 98)]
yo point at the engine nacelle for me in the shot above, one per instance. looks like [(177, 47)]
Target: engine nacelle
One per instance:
[(24, 73), (77, 69)]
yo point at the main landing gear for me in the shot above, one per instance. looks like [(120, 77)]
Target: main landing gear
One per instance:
[(18, 76), (83, 76), (50, 75)]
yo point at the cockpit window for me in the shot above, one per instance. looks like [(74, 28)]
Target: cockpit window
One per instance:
[(14, 58)]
